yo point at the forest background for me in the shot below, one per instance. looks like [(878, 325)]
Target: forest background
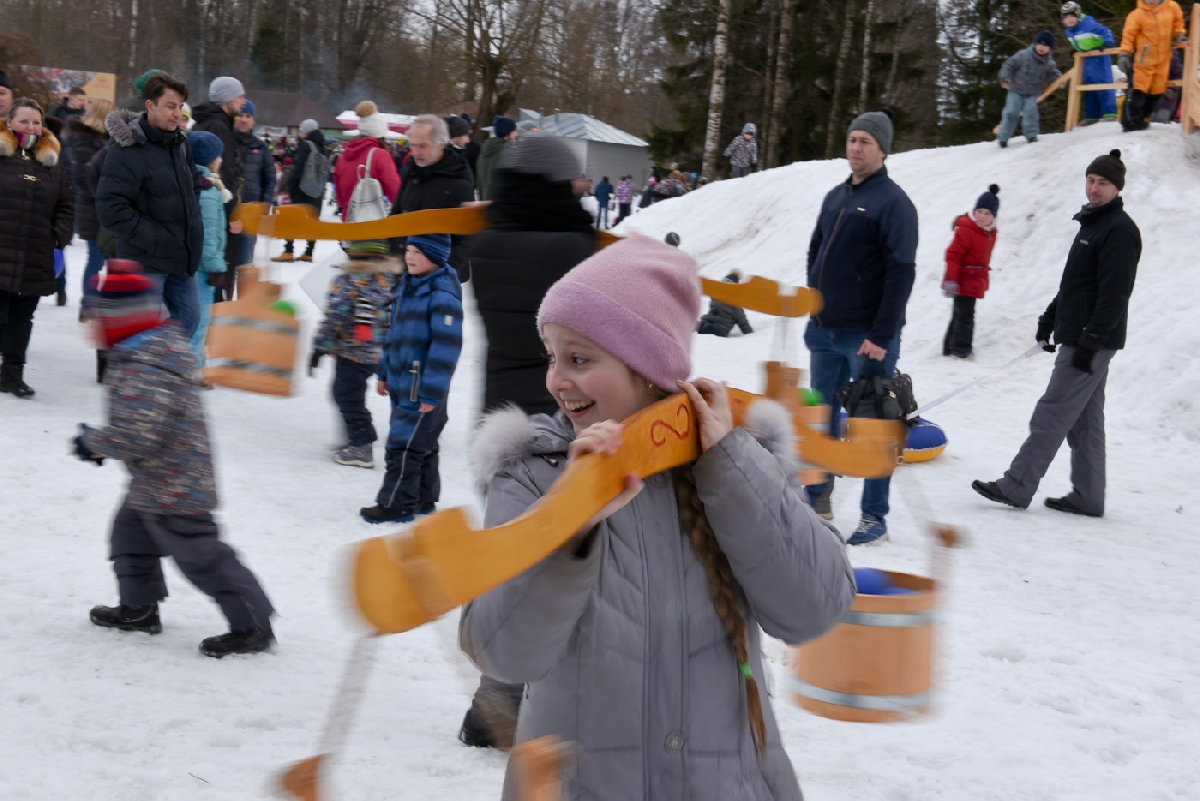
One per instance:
[(799, 69)]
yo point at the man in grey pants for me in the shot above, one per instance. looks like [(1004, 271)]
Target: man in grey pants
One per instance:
[(1088, 319)]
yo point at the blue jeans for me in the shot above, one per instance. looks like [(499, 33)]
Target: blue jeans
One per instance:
[(1019, 108), (833, 361), (182, 297), (245, 249), (94, 263)]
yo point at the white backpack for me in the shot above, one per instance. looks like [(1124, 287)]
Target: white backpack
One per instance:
[(367, 203)]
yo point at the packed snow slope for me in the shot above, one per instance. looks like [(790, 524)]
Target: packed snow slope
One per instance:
[(1066, 645)]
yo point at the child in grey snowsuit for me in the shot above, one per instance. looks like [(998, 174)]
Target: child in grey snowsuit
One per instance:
[(722, 317), (1026, 75), (357, 312), (743, 151), (156, 427)]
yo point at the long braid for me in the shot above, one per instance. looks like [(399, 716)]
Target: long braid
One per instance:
[(721, 584)]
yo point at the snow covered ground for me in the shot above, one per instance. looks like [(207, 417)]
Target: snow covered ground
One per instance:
[(1067, 645)]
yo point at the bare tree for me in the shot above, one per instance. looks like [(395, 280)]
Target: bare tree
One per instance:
[(839, 80), (716, 97), (783, 67)]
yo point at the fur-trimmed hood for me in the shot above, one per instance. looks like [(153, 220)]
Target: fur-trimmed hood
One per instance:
[(46, 152), (508, 436), (388, 265), (123, 128)]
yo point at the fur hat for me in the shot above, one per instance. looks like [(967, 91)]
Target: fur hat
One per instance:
[(309, 125), (1110, 167), (126, 301), (1045, 38), (988, 199), (502, 126), (878, 124), (542, 154), (206, 147), (436, 247), (225, 89), (370, 122), (639, 300)]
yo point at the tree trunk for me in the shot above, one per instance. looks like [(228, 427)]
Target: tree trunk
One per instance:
[(839, 82), (764, 129), (864, 86), (716, 97), (783, 83)]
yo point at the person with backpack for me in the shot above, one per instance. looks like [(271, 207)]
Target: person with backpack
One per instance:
[(309, 176), (367, 170)]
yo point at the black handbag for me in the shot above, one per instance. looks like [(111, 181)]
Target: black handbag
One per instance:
[(880, 398)]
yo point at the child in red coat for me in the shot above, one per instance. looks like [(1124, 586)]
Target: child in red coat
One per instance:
[(968, 261)]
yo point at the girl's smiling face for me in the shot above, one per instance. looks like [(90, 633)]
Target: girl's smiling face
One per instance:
[(589, 384)]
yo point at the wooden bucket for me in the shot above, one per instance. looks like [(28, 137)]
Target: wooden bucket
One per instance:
[(250, 346), (876, 665)]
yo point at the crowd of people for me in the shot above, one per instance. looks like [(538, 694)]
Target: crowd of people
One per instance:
[(578, 339)]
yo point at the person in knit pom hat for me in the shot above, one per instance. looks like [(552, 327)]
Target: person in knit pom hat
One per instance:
[(156, 426), (862, 259), (968, 266), (419, 356), (366, 151), (1087, 321), (662, 593), (1026, 75)]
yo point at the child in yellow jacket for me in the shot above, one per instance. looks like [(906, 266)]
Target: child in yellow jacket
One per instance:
[(1150, 30)]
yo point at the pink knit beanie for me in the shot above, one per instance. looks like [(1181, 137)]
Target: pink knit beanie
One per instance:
[(639, 300)]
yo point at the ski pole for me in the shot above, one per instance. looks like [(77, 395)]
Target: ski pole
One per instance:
[(1031, 352)]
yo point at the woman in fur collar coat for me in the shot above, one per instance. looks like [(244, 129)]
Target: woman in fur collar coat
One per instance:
[(640, 640), (36, 216)]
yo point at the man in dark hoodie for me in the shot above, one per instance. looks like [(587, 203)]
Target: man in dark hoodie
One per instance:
[(435, 177), (487, 176), (218, 115), (148, 198)]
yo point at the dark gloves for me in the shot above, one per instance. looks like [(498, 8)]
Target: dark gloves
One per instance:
[(1125, 64), (1045, 330), (218, 280), (1081, 359), (313, 360), (81, 451)]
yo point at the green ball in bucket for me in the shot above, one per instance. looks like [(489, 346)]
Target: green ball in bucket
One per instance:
[(810, 397), (285, 306)]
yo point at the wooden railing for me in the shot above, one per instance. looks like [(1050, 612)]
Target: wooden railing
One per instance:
[(1191, 89)]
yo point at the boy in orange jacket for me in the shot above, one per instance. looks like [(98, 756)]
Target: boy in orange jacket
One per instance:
[(1150, 30)]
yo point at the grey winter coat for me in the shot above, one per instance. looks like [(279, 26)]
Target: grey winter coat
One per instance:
[(742, 152), (156, 423), (623, 650), (1029, 73)]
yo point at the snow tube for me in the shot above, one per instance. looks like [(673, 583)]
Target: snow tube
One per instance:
[(925, 441)]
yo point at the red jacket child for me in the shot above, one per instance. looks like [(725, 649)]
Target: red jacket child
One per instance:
[(969, 257)]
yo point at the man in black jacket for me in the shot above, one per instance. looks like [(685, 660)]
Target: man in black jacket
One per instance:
[(862, 258), (1088, 318), (148, 197), (436, 177), (258, 166), (218, 115)]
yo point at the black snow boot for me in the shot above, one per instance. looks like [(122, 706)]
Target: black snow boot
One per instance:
[(239, 641), (12, 381), (128, 618), (101, 365)]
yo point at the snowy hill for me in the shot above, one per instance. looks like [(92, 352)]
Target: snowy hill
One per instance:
[(1065, 665)]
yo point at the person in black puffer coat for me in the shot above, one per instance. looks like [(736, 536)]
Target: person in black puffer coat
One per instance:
[(538, 232), (722, 317), (435, 177), (36, 216), (87, 137)]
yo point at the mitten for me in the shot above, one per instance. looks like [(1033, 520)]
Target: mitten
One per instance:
[(1081, 359), (1180, 38), (1045, 330), (313, 360), (82, 452), (1125, 64), (950, 288), (216, 280)]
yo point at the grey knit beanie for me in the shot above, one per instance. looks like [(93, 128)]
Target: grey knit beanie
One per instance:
[(224, 89), (878, 124), (543, 154), (308, 126)]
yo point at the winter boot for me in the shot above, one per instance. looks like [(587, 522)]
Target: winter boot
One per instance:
[(12, 381), (989, 490), (101, 365), (355, 456), (128, 618), (491, 722), (385, 514), (287, 257), (1064, 505), (239, 641), (823, 504)]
